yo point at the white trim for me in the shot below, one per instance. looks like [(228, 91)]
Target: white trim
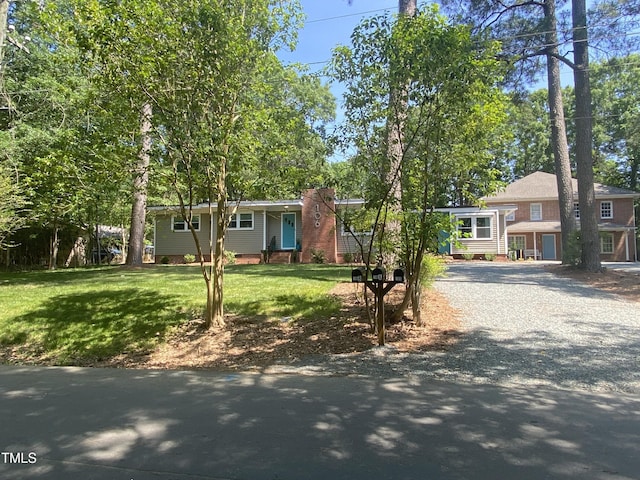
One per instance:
[(295, 230), (626, 246), (613, 242), (264, 229), (238, 220), (610, 202), (474, 225), (531, 212), (186, 226)]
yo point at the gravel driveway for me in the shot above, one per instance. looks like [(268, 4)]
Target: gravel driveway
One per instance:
[(523, 326)]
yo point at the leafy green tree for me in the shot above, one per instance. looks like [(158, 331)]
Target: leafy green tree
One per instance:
[(203, 68), (617, 120), (453, 107)]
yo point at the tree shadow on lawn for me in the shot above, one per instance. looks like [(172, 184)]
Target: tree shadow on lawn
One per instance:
[(85, 328)]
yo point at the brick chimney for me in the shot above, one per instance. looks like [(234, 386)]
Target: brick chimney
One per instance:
[(319, 224)]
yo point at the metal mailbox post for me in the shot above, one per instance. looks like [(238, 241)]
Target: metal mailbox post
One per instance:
[(379, 286)]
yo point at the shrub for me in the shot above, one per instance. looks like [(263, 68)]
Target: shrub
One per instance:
[(433, 266), (490, 256), (468, 255), (573, 254), (189, 258), (318, 256), (348, 257), (230, 257), (165, 260)]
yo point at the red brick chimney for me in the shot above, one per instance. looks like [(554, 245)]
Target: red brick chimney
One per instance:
[(319, 224)]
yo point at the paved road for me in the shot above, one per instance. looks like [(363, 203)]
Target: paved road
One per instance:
[(100, 424), (542, 387)]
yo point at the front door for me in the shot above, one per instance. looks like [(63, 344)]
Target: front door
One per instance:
[(288, 231), (549, 247)]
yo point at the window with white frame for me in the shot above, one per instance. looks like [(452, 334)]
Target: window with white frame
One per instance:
[(476, 228), (606, 209), (179, 224), (576, 210), (606, 242), (517, 242), (241, 221), (535, 211), (510, 217)]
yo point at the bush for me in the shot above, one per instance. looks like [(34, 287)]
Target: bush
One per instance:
[(468, 255), (433, 266), (318, 256), (348, 257), (573, 255), (490, 256), (165, 260), (189, 258), (230, 257)]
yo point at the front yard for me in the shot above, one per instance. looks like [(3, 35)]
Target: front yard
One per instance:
[(151, 317)]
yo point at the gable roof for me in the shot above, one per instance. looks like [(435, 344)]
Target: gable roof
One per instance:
[(542, 185)]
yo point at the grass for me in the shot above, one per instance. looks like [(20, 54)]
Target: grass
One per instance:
[(82, 315)]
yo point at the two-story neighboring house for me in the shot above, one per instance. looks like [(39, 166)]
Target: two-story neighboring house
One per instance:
[(534, 227)]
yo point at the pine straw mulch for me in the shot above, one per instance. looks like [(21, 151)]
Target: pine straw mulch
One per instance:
[(620, 282), (256, 343)]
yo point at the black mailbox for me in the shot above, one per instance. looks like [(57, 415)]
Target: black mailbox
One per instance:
[(378, 274), (398, 275), (357, 275)]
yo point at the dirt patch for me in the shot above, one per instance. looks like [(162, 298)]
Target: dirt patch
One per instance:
[(255, 343), (625, 284)]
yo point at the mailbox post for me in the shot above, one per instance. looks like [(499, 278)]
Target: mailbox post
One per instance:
[(379, 286)]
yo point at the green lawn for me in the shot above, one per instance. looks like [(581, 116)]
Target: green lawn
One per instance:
[(81, 315)]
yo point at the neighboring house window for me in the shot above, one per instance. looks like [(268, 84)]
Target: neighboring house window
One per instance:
[(179, 224), (536, 211), (483, 227), (475, 227), (511, 217), (606, 209), (606, 242), (517, 242), (241, 221), (576, 211), (465, 227)]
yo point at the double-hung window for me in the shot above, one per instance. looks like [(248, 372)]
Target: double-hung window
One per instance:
[(535, 211), (606, 242), (606, 210), (179, 224), (241, 221)]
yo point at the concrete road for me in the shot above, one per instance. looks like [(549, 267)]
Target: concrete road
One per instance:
[(99, 424)]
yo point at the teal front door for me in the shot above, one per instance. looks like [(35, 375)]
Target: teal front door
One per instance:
[(288, 231), (549, 247)]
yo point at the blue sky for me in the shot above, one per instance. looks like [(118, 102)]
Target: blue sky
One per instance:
[(330, 23)]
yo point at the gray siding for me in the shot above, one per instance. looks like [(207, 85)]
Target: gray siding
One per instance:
[(169, 242), (246, 241)]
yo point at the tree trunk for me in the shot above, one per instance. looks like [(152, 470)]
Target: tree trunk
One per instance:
[(140, 183), (215, 306), (53, 247), (589, 235), (559, 133)]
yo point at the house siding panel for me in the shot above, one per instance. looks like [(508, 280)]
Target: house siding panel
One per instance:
[(246, 241), (169, 242)]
